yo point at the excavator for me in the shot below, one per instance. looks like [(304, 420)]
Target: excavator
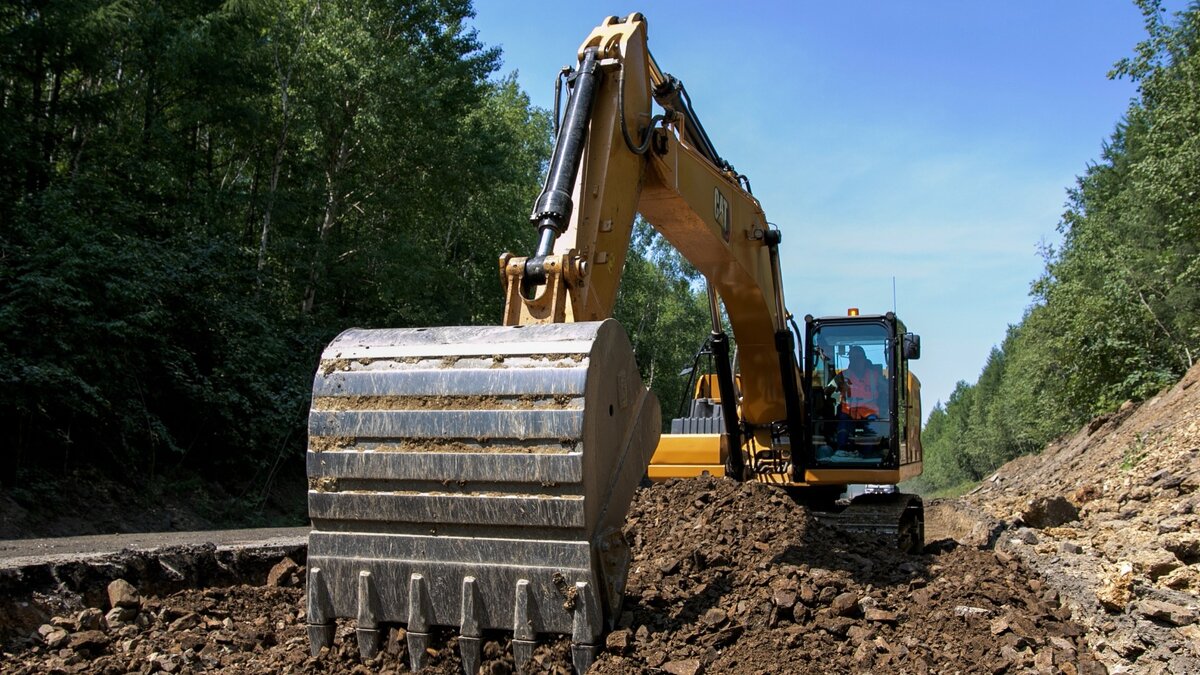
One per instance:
[(477, 478)]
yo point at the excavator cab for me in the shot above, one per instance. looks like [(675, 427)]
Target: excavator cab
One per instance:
[(863, 403), (851, 402)]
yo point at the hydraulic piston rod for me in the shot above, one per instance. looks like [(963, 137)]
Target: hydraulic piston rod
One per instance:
[(552, 210)]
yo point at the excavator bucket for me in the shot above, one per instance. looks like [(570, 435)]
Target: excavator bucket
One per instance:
[(476, 478)]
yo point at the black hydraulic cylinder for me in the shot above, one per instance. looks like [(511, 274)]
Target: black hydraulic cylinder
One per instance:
[(785, 345), (735, 467), (552, 210)]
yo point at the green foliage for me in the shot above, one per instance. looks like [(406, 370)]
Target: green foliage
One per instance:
[(196, 196), (1134, 453), (1116, 313)]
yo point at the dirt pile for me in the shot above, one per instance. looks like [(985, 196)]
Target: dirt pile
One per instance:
[(1111, 518), (725, 578), (730, 578)]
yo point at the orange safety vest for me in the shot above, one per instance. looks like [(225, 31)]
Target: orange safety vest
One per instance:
[(862, 393)]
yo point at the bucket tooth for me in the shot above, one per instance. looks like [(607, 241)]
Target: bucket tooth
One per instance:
[(470, 649), (368, 634), (417, 644), (469, 642), (418, 621), (582, 657), (319, 635), (319, 612), (524, 616), (523, 652), (369, 640), (586, 627)]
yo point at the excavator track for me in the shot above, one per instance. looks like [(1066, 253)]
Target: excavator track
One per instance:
[(897, 515), (477, 478)]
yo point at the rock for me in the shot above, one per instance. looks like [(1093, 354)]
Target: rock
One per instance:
[(966, 611), (1043, 662), (1156, 476), (845, 604), (90, 619), (715, 616), (1168, 525), (617, 641), (983, 534), (118, 616), (196, 642), (1070, 547), (1116, 588), (684, 667), (1185, 545), (858, 634), (184, 622), (56, 638), (865, 654), (879, 615), (1048, 512), (1181, 579), (1154, 563), (168, 663), (1024, 536), (121, 593), (284, 574), (834, 625), (91, 641), (1086, 494), (922, 596), (1176, 615), (784, 599)]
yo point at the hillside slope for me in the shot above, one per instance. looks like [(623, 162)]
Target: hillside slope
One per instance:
[(1110, 517)]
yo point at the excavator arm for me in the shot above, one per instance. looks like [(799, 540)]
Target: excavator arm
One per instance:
[(670, 174)]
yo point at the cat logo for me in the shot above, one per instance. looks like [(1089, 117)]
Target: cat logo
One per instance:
[(721, 212)]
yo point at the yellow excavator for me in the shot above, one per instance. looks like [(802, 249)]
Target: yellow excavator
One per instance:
[(479, 477)]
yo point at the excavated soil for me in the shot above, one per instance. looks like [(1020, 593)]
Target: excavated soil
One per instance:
[(1082, 559), (725, 578)]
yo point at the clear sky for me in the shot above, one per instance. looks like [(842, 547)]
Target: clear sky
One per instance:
[(928, 141)]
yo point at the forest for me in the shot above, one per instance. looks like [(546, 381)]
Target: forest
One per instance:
[(196, 196), (1115, 315)]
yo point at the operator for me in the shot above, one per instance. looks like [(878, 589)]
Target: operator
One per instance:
[(861, 385), (862, 389)]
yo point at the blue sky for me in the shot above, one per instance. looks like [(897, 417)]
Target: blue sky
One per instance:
[(931, 141)]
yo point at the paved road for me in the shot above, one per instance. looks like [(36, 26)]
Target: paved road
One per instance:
[(22, 552)]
